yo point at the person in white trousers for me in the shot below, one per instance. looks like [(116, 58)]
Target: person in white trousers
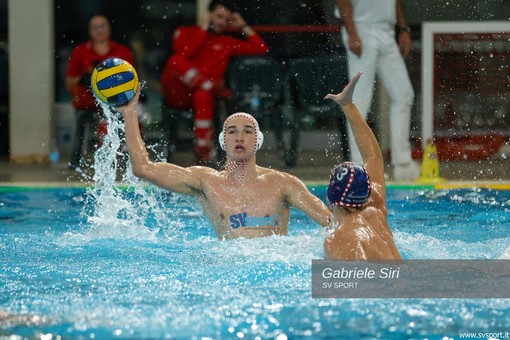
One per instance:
[(369, 38)]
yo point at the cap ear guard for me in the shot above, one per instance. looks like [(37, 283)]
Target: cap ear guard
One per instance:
[(260, 140)]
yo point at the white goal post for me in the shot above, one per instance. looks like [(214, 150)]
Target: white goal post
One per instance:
[(430, 31)]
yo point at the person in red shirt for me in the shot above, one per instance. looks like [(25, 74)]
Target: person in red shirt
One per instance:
[(193, 75), (83, 59)]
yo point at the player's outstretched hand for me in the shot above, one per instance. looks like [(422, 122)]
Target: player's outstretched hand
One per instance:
[(345, 97)]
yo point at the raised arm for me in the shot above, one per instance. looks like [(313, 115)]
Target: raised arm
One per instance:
[(364, 137), (254, 43), (166, 175)]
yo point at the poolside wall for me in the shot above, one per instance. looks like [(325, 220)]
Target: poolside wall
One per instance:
[(31, 82)]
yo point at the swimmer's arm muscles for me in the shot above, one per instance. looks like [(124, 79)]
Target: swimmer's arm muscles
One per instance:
[(298, 195), (172, 177), (369, 149), (365, 140), (168, 176)]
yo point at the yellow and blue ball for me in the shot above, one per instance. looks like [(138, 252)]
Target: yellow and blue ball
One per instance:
[(114, 81)]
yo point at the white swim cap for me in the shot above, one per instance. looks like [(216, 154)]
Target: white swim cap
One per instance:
[(260, 136)]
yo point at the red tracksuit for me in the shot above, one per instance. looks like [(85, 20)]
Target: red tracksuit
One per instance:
[(193, 75)]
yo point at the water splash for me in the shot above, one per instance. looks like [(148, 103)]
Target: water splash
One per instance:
[(125, 287), (119, 205)]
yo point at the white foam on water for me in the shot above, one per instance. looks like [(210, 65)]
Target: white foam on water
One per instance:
[(506, 254), (122, 207), (297, 250), (420, 246)]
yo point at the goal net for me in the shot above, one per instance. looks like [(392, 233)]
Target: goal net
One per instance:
[(466, 87)]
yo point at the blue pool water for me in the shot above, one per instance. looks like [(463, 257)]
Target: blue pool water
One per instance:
[(147, 265)]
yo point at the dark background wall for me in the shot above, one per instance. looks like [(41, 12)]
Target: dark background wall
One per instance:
[(149, 24)]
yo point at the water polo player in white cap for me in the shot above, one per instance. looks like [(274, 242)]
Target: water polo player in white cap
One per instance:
[(357, 194), (242, 200)]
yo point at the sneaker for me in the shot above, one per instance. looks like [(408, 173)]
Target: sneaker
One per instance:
[(406, 172)]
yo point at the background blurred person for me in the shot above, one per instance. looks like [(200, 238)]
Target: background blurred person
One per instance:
[(193, 75), (83, 59), (369, 38)]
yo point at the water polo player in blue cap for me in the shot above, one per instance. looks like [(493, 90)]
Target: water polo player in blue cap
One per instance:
[(357, 194)]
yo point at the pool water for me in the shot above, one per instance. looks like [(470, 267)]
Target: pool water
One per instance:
[(146, 264)]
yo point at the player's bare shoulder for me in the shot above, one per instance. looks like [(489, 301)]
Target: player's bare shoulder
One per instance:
[(377, 218), (377, 202), (206, 175), (274, 175), (371, 210), (285, 182), (203, 171)]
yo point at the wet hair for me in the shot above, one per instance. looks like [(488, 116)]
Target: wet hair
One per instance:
[(349, 185), (225, 3)]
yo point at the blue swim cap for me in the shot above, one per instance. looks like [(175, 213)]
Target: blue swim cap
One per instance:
[(349, 185)]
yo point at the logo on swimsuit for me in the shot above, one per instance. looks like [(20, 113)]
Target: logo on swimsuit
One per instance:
[(243, 220)]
